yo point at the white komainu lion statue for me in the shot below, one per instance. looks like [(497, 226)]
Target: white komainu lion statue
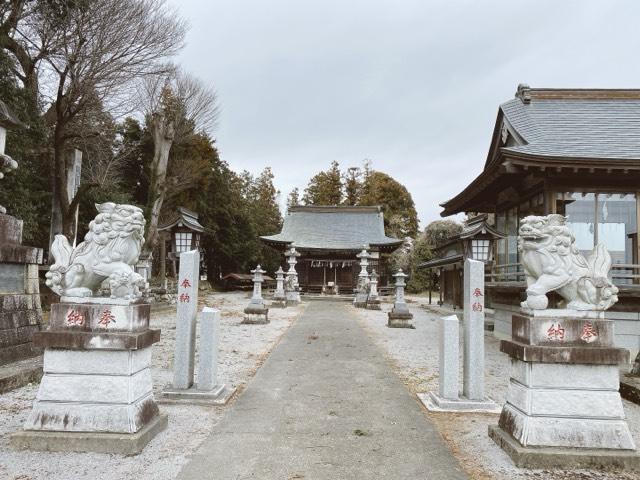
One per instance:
[(551, 262), (109, 251)]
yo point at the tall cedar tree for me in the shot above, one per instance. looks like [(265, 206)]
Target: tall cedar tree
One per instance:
[(325, 188)]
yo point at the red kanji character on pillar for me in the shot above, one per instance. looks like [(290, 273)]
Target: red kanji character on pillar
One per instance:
[(184, 298), (476, 307), (185, 283), (106, 318), (75, 319), (477, 293)]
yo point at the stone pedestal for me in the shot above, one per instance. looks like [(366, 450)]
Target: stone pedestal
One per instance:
[(563, 393), (20, 311), (256, 312), (400, 316), (97, 387)]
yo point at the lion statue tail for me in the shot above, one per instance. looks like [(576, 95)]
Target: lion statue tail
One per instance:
[(61, 251), (599, 261), (599, 265)]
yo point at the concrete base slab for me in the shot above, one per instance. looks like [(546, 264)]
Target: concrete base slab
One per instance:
[(192, 396), (97, 442), (561, 457), (435, 403), (360, 304), (282, 303)]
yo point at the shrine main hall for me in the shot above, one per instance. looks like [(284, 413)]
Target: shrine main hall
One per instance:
[(328, 239)]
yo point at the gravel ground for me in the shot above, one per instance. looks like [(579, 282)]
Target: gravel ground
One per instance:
[(243, 348), (414, 354)]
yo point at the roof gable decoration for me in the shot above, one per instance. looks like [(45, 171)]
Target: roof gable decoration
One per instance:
[(183, 218)]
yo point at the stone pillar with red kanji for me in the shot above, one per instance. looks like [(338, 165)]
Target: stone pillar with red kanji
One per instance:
[(187, 300), (473, 322)]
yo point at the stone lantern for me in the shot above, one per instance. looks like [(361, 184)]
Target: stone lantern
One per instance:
[(257, 311), (362, 292), (400, 316)]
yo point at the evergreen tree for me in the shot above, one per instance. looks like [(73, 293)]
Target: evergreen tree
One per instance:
[(400, 216), (294, 198), (325, 188)]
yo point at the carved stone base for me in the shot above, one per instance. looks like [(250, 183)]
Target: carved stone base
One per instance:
[(220, 395), (400, 319), (373, 304), (98, 442), (293, 298), (361, 300), (257, 316), (565, 458)]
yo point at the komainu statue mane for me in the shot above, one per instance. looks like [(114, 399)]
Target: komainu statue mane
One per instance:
[(552, 262), (110, 250)]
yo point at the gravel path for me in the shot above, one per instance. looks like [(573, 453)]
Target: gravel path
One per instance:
[(243, 348), (414, 353)]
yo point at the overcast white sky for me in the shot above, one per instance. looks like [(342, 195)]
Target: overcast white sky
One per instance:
[(413, 85)]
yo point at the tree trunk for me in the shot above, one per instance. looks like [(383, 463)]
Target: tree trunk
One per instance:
[(163, 133)]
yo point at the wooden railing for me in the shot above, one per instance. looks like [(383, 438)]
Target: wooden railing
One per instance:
[(506, 272), (621, 273)]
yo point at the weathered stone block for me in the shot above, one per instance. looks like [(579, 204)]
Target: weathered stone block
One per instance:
[(12, 278), (184, 356), (562, 354), (543, 431), (105, 362), (544, 375), (10, 229), (92, 417)]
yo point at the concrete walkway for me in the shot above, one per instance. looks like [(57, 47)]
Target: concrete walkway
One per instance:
[(325, 405)]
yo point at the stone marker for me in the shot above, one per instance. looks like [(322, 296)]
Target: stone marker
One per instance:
[(373, 300), (184, 357), (207, 390), (362, 290), (279, 296), (292, 288), (473, 325), (449, 358), (97, 392), (400, 316), (473, 399), (257, 312), (563, 406)]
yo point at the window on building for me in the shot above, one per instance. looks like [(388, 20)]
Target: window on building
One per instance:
[(608, 218), (183, 242), (480, 249)]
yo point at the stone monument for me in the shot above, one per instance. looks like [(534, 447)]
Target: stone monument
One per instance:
[(257, 312), (373, 300), (563, 407), (207, 390), (279, 296), (473, 398), (20, 311), (292, 288), (362, 290), (400, 316), (97, 377)]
